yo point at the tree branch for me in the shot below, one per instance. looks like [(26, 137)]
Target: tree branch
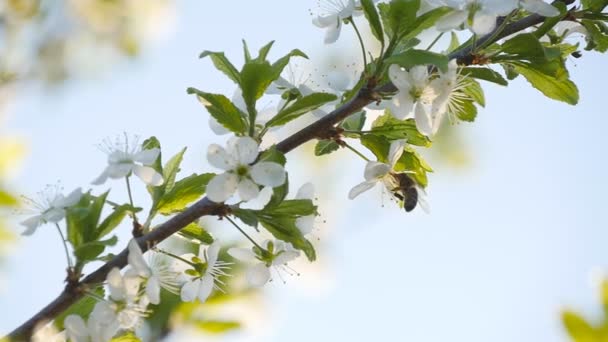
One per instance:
[(205, 207)]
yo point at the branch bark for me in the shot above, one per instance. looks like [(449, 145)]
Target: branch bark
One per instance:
[(205, 207)]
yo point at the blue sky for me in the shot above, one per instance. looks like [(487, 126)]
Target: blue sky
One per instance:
[(510, 240)]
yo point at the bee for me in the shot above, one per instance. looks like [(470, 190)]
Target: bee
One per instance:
[(406, 191)]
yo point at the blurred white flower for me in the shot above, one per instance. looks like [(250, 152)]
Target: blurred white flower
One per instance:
[(306, 223), (276, 254), (449, 88), (101, 326), (46, 332), (205, 275), (239, 175), (157, 274), (478, 15), (49, 208), (124, 289), (539, 7), (377, 172), (123, 160)]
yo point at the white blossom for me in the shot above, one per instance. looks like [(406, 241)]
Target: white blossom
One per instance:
[(46, 332), (334, 12), (449, 88), (539, 7), (156, 273), (205, 275), (240, 175), (125, 290), (275, 255), (415, 94), (126, 158), (49, 208), (378, 172)]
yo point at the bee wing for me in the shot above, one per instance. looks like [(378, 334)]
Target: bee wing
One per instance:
[(422, 202)]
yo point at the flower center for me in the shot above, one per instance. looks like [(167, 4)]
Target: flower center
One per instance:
[(242, 170)]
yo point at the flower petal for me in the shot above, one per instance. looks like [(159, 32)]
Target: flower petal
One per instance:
[(306, 191), (305, 224), (326, 21), (116, 284), (190, 290), (222, 187), (285, 257), (451, 21), (205, 288), (120, 170), (268, 174), (136, 259), (248, 190), (242, 254), (153, 290), (147, 157), (375, 170), (360, 188), (31, 224), (395, 151), (483, 23), (75, 328), (216, 127), (212, 253), (403, 103), (101, 178), (399, 77), (258, 275), (539, 7), (220, 158), (71, 199), (148, 175), (244, 150), (332, 33), (424, 122)]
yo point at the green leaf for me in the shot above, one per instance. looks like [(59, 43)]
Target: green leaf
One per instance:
[(184, 192), (594, 5), (89, 251), (114, 219), (273, 155), (284, 228), (278, 194), (222, 64), (281, 63), (474, 91), (413, 57), (397, 15), (354, 122), (256, 76), (454, 42), (411, 161), (549, 23), (369, 9), (293, 208), (467, 111), (300, 107), (246, 53), (391, 128), (193, 231), (598, 39), (82, 219), (263, 54), (222, 109), (171, 169), (425, 21), (377, 144), (561, 89), (82, 308), (525, 45), (248, 216), (485, 74), (324, 147)]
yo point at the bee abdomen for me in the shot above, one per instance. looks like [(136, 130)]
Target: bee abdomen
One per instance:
[(410, 199)]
